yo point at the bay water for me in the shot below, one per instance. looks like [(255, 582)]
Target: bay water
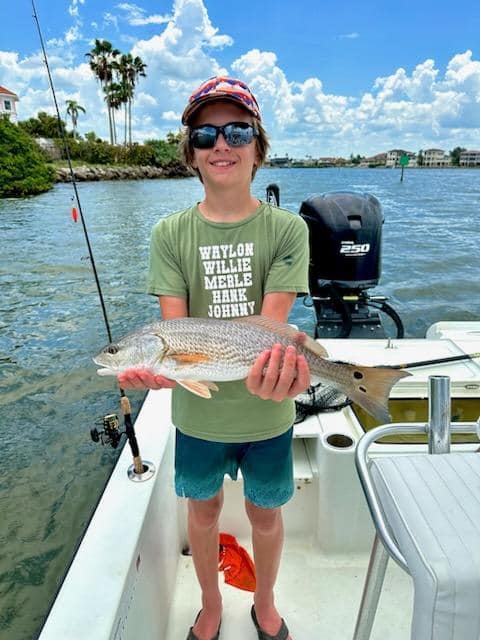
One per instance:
[(51, 474)]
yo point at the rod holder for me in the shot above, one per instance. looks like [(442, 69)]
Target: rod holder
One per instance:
[(439, 414), (148, 471)]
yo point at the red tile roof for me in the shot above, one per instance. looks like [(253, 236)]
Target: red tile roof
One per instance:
[(6, 91)]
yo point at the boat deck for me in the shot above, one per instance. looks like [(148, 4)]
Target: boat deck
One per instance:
[(145, 588), (318, 597)]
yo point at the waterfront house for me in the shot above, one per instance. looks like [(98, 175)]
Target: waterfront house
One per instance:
[(470, 158), (436, 158), (394, 155), (379, 159), (279, 162), (7, 103), (326, 162)]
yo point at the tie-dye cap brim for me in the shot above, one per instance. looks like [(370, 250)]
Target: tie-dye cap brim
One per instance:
[(221, 88)]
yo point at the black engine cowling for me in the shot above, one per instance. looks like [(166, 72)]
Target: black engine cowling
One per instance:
[(345, 240)]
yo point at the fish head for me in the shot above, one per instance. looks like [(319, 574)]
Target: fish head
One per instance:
[(140, 350)]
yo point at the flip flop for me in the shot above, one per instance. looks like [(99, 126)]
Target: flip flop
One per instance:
[(192, 636), (263, 635)]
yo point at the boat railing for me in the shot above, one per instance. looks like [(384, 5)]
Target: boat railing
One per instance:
[(407, 499)]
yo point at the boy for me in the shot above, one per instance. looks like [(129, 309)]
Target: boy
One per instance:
[(230, 256)]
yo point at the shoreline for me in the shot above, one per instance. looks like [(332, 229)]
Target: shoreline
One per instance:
[(87, 173)]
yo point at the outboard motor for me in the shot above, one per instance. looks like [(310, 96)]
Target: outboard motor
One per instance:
[(345, 261)]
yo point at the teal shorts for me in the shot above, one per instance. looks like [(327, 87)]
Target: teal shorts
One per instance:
[(266, 466)]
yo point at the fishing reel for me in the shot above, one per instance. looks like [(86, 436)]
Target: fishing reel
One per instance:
[(110, 434)]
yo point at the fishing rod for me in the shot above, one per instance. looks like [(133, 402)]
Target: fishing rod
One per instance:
[(110, 422), (424, 363)]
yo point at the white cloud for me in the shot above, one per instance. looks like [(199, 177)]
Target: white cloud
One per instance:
[(426, 106), (145, 100), (171, 116), (109, 18), (136, 16), (72, 34), (420, 108), (350, 36), (73, 8)]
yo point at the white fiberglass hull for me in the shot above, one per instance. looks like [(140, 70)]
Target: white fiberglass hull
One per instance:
[(130, 580)]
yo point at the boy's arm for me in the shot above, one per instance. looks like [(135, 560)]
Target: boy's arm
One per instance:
[(171, 307), (278, 305), (268, 378)]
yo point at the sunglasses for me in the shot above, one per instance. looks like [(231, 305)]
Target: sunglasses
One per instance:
[(236, 134)]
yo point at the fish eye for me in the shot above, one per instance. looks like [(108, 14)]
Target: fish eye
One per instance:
[(112, 349)]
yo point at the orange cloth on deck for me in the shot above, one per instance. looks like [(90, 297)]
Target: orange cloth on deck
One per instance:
[(236, 564)]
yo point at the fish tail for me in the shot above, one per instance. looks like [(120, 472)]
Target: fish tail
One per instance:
[(370, 387)]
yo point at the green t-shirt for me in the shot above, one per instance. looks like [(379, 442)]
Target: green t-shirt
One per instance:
[(224, 270)]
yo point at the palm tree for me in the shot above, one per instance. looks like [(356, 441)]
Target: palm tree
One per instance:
[(129, 69), (134, 69), (115, 95), (101, 58), (139, 72), (122, 67), (72, 110)]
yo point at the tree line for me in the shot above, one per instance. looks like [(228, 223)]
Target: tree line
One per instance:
[(27, 169)]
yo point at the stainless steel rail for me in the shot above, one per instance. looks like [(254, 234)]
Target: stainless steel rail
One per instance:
[(438, 430)]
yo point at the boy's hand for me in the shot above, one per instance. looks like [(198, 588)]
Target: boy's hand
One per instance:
[(271, 380), (143, 379)]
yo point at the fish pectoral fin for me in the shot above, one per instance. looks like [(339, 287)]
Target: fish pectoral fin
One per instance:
[(286, 331), (189, 358), (211, 385), (201, 389)]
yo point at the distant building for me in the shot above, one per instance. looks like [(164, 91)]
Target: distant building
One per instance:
[(7, 103), (326, 162), (436, 158), (50, 148), (470, 158), (394, 155), (378, 159), (279, 162)]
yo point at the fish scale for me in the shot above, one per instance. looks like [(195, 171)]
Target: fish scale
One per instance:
[(197, 352)]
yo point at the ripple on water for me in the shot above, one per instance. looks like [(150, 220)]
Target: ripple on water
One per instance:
[(51, 325)]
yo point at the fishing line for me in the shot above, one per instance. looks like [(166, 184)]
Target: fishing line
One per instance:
[(124, 402)]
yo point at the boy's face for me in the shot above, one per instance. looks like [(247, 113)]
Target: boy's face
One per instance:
[(222, 165)]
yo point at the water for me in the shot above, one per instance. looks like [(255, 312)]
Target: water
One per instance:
[(51, 324)]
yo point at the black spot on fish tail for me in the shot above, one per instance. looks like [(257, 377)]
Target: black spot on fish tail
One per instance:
[(374, 391), (369, 387)]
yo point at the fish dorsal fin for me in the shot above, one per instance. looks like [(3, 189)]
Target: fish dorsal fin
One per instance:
[(286, 331), (188, 358), (201, 389)]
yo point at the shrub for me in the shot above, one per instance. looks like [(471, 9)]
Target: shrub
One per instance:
[(44, 126), (23, 169), (165, 153)]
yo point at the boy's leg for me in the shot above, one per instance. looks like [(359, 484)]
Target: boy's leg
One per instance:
[(267, 469), (267, 540), (200, 467), (203, 537)]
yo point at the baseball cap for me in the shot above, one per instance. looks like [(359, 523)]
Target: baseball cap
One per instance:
[(221, 88)]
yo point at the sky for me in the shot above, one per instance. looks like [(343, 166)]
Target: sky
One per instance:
[(333, 77)]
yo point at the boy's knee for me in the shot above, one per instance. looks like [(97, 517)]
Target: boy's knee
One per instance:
[(263, 521), (205, 513)]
